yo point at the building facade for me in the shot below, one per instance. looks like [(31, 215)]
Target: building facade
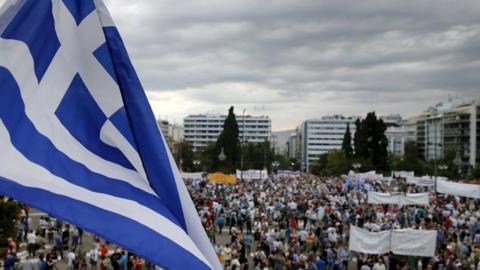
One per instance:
[(319, 136), (448, 125), (396, 137), (392, 120), (292, 146), (173, 134), (202, 129)]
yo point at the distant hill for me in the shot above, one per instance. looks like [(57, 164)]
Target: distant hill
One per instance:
[(282, 137)]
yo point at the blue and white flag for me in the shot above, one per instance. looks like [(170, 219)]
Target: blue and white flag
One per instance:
[(78, 139)]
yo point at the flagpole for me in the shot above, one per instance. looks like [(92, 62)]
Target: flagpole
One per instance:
[(242, 146)]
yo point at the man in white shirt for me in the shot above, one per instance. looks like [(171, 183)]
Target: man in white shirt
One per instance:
[(70, 259), (320, 212), (31, 240), (93, 258), (292, 205)]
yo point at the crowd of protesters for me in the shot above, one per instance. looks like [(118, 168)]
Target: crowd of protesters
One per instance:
[(302, 222), (296, 221), (54, 244)]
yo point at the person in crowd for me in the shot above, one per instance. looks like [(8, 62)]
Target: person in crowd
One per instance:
[(10, 259), (42, 264), (71, 257), (31, 242)]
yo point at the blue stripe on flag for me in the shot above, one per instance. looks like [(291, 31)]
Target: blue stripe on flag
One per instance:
[(86, 129), (79, 9), (35, 26), (39, 149), (103, 57), (120, 121), (128, 233), (146, 133)]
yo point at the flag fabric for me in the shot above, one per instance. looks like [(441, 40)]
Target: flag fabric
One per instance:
[(78, 139)]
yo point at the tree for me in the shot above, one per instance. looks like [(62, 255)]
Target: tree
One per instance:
[(411, 160), (360, 142), (209, 157), (448, 162), (475, 173), (229, 143), (318, 167), (333, 163), (186, 156), (337, 163), (347, 143), (371, 143), (258, 155), (9, 211), (294, 164)]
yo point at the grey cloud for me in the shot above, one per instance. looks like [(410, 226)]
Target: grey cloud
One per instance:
[(305, 53)]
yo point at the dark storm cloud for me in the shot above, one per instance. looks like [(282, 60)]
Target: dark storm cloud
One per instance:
[(302, 59)]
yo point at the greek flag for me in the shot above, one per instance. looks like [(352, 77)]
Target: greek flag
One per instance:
[(78, 139)]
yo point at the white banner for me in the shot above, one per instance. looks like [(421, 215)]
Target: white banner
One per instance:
[(368, 242), (252, 174), (424, 181), (288, 172), (387, 178), (460, 189), (402, 242), (382, 198), (194, 175), (408, 199), (371, 175), (403, 174), (416, 199), (414, 242)]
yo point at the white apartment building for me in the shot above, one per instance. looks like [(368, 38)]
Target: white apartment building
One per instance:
[(292, 146), (322, 135), (396, 137), (173, 132), (202, 129), (454, 124)]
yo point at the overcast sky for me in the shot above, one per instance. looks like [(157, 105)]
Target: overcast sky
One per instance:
[(294, 60)]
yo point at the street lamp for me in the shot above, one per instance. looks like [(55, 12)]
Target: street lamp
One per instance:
[(441, 167), (222, 156), (356, 166), (275, 165), (196, 163)]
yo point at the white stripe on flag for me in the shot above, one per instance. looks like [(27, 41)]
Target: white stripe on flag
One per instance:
[(194, 226), (111, 136)]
